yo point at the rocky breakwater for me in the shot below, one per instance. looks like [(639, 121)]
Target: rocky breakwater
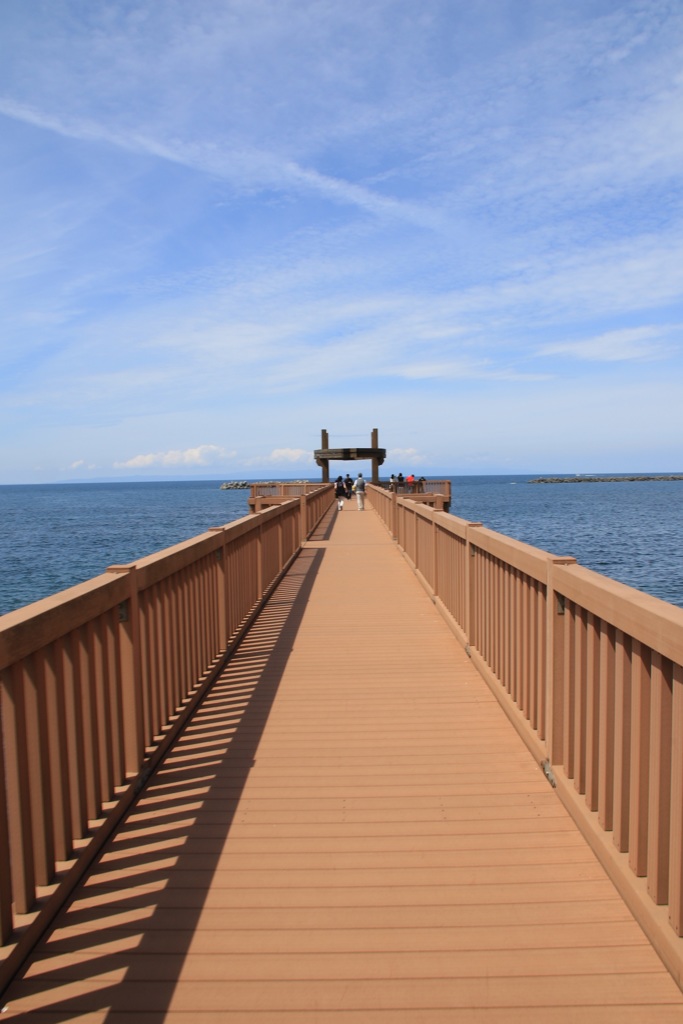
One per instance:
[(244, 485), (602, 479)]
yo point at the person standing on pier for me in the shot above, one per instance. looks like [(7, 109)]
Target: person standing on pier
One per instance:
[(348, 483), (359, 488), (339, 492)]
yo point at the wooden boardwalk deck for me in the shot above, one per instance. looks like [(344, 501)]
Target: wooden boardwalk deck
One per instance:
[(349, 831)]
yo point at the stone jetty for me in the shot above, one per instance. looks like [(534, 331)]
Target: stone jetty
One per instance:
[(601, 479)]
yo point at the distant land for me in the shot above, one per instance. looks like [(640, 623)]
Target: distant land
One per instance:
[(601, 479)]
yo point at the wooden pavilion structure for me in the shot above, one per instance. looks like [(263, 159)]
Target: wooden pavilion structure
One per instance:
[(324, 455)]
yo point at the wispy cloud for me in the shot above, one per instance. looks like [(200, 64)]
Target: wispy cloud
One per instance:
[(242, 167)]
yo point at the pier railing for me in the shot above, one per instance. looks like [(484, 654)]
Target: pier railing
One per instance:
[(282, 489), (94, 680), (426, 487), (270, 493), (436, 493), (590, 672)]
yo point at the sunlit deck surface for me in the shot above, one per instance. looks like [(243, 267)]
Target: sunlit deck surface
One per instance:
[(349, 830)]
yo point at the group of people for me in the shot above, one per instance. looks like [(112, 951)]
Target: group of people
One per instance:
[(409, 483), (345, 488)]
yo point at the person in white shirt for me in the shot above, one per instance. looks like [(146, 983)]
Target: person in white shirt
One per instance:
[(359, 487)]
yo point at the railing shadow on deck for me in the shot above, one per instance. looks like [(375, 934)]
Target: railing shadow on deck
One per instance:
[(323, 530), (193, 797)]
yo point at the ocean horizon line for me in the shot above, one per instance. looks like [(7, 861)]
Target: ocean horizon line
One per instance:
[(436, 474)]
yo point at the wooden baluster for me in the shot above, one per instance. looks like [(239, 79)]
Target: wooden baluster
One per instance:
[(622, 740), (570, 686), (131, 672), (57, 745), (606, 728), (73, 710), (640, 758), (592, 709), (580, 697), (37, 749)]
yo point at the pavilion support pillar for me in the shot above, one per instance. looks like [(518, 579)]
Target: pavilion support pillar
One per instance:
[(374, 443), (325, 463)]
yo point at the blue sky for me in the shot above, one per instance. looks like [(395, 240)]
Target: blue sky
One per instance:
[(226, 225)]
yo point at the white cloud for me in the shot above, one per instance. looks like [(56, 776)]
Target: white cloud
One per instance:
[(204, 455), (290, 455), (281, 456)]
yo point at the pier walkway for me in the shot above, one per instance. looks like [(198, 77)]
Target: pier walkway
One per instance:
[(349, 830)]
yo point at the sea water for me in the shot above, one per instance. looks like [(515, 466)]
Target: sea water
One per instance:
[(56, 535), (630, 531)]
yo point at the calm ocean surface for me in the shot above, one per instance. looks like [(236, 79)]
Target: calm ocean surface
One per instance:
[(56, 535)]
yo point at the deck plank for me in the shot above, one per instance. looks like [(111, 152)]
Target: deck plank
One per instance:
[(349, 831)]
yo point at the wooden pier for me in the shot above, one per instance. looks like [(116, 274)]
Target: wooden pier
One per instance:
[(348, 825)]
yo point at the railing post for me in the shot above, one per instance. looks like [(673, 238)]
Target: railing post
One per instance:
[(660, 781), (221, 587), (415, 537), (259, 562), (303, 516), (435, 560), (470, 582), (676, 839), (131, 672), (555, 661), (18, 791), (5, 874)]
